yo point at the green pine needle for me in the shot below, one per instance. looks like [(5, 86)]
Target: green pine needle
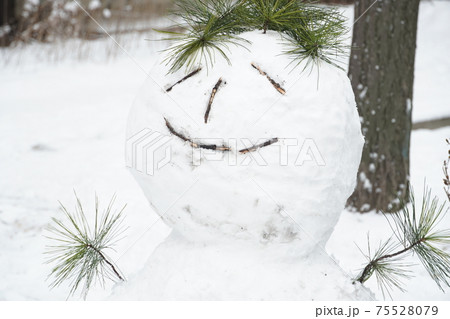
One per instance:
[(211, 27), (276, 15), (419, 231), (313, 33), (417, 234), (78, 250), (318, 36), (388, 267)]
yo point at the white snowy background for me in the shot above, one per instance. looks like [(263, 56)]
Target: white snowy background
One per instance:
[(62, 128)]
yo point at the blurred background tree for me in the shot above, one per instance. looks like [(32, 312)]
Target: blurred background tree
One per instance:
[(23, 21), (8, 20), (382, 75)]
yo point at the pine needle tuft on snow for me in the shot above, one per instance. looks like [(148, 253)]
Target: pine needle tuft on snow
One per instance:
[(78, 251), (416, 233)]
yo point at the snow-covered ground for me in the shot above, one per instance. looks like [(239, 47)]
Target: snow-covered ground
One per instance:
[(62, 127)]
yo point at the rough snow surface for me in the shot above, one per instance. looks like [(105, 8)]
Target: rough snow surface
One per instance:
[(180, 270)]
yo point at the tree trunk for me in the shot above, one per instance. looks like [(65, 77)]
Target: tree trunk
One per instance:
[(8, 21), (382, 74)]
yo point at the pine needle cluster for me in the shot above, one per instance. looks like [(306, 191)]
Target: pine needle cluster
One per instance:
[(211, 26), (276, 15), (78, 251), (318, 36), (415, 232), (388, 266), (313, 33)]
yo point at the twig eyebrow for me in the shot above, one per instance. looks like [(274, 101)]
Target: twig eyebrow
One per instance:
[(211, 99), (276, 85), (184, 78)]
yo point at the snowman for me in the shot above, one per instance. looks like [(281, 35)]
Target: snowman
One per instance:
[(249, 159)]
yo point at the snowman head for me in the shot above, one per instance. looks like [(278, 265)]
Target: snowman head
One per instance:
[(252, 150)]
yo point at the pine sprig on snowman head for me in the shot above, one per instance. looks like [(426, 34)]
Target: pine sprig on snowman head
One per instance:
[(277, 15), (318, 36), (210, 27), (312, 33)]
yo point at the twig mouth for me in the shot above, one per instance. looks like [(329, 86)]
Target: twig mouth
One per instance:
[(185, 138), (215, 147)]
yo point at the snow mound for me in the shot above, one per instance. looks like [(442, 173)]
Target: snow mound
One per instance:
[(179, 270)]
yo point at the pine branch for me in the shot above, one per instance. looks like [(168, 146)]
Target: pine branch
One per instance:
[(211, 26), (417, 235), (318, 36), (312, 32), (389, 271), (373, 264), (110, 264), (78, 250), (276, 15)]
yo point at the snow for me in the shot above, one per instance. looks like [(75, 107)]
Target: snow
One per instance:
[(71, 6), (62, 127), (363, 92), (408, 105), (181, 270), (366, 182), (94, 4), (431, 93), (106, 13)]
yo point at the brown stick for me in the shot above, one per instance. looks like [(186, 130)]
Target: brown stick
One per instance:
[(370, 265), (185, 78), (211, 99), (214, 147), (106, 261), (257, 146), (276, 85), (446, 171)]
